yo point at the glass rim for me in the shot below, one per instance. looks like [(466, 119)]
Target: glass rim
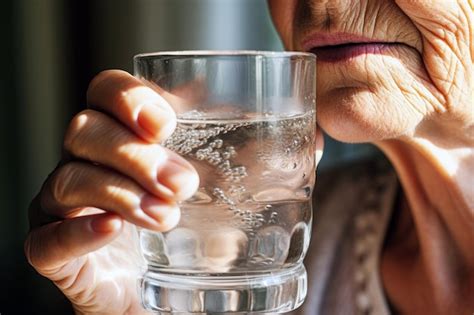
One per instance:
[(224, 53)]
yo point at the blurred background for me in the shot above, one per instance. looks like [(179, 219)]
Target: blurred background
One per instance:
[(50, 50)]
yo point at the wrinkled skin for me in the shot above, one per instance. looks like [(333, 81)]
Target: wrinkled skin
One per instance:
[(123, 178), (425, 82), (415, 102)]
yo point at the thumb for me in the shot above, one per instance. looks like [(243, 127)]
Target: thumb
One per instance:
[(50, 247)]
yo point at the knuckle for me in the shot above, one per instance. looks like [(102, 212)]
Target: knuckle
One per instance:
[(134, 153), (77, 127), (31, 252), (118, 188), (146, 160), (112, 190), (63, 182)]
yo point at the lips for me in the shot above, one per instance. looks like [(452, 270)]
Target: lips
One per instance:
[(344, 52), (338, 47)]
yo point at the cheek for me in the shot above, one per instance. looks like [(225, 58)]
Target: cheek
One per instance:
[(359, 115), (374, 97)]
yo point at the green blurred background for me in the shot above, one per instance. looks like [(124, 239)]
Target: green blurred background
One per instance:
[(50, 51)]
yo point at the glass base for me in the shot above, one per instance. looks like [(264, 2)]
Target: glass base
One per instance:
[(276, 292)]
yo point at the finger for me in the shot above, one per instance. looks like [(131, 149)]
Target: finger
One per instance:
[(137, 106), (76, 185), (49, 247), (96, 137)]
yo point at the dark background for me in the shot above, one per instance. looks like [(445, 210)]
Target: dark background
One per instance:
[(50, 50)]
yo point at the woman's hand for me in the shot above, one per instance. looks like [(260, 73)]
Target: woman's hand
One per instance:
[(113, 175)]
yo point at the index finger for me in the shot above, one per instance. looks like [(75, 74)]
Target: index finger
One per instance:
[(138, 107)]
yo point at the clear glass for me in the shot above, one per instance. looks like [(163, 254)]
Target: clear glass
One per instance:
[(246, 121)]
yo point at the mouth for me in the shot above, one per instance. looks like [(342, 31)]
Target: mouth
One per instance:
[(338, 47), (338, 53)]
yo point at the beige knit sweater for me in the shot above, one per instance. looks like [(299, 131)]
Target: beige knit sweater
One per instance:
[(352, 208)]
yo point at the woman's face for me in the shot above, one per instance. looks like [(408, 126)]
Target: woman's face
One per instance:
[(375, 81)]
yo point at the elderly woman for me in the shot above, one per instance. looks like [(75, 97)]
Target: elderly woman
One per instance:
[(392, 237)]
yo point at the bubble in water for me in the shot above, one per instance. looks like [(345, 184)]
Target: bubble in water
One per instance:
[(273, 217), (216, 144), (225, 165), (236, 190), (230, 151), (216, 149)]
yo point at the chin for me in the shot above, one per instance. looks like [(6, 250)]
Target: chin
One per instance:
[(358, 115), (366, 100)]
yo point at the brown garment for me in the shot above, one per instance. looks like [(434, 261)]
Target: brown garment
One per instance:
[(352, 208)]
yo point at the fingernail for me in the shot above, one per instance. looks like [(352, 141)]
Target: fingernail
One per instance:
[(166, 214), (180, 178), (106, 223), (156, 122)]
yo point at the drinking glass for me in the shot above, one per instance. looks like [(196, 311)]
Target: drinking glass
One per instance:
[(246, 121)]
